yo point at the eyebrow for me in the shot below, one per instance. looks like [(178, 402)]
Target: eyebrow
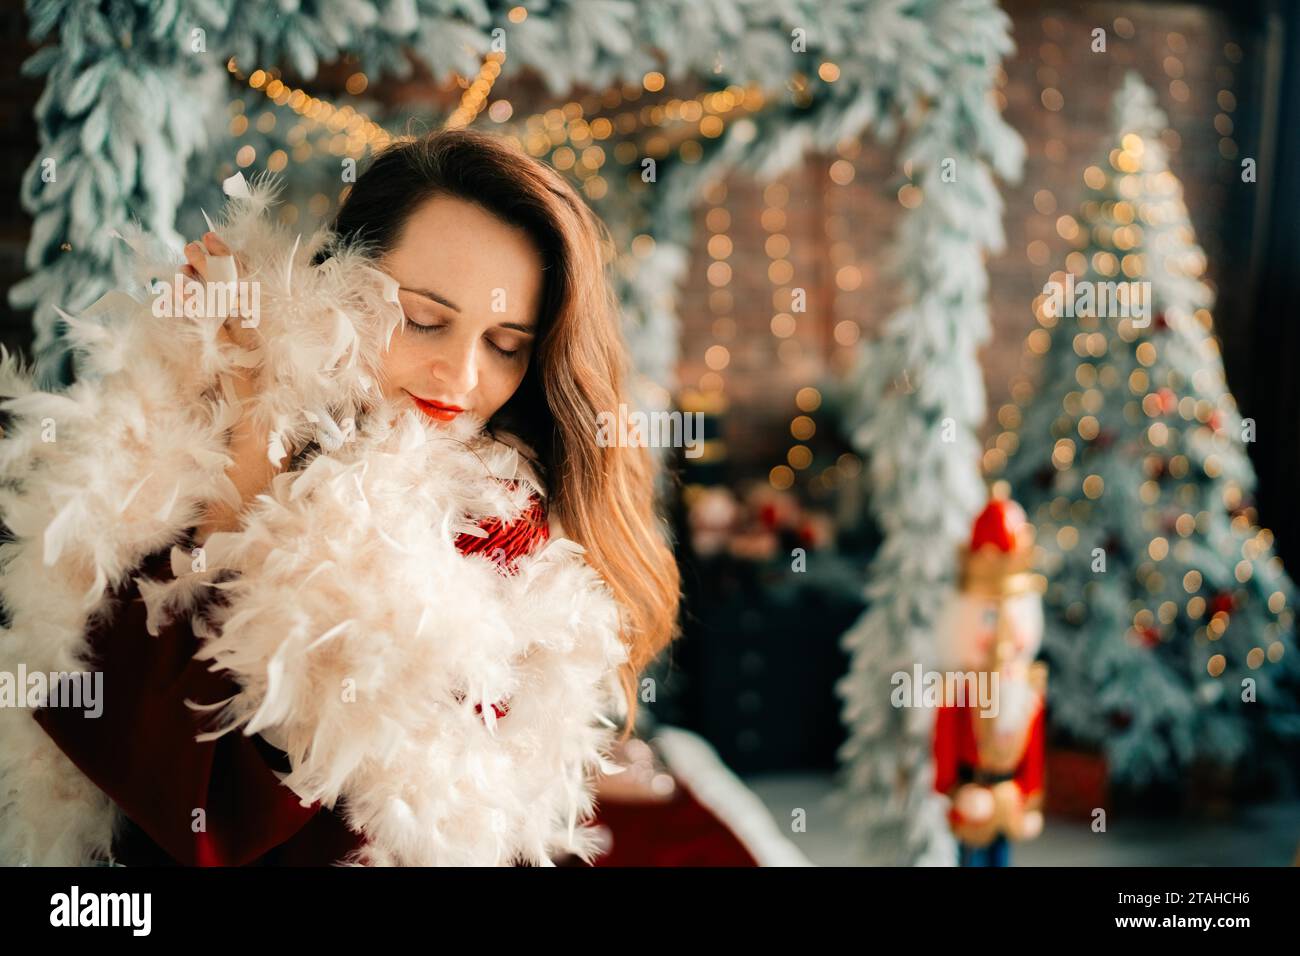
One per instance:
[(434, 296), (515, 326)]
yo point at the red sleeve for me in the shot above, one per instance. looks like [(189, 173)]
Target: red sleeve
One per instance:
[(1029, 775), (945, 748), (141, 749)]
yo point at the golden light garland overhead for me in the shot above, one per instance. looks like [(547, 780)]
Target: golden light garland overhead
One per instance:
[(565, 132), (360, 130), (475, 96), (573, 141)]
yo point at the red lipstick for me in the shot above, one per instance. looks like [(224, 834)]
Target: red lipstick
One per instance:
[(436, 410)]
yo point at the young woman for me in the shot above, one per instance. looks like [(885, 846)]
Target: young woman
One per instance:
[(501, 338)]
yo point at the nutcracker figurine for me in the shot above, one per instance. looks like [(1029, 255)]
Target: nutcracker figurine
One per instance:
[(989, 759)]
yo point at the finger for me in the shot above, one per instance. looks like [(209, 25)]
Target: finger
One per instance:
[(222, 268), (197, 259), (215, 245)]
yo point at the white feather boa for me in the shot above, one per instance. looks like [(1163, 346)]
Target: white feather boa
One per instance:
[(360, 637)]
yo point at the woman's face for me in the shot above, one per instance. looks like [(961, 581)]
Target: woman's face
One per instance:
[(470, 286)]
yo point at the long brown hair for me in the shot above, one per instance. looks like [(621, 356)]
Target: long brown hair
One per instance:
[(604, 497)]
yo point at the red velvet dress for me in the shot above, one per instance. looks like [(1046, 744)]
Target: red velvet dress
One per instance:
[(141, 750)]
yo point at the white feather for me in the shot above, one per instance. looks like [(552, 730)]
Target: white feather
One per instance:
[(60, 530)]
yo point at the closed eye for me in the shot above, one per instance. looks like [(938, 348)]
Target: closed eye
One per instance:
[(431, 327), (435, 326)]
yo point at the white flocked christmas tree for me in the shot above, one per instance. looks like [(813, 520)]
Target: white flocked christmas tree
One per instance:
[(1169, 620), (918, 397)]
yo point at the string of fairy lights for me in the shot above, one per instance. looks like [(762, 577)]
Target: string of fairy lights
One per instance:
[(572, 142), (1115, 229), (780, 272), (475, 96), (842, 253), (718, 353), (710, 395), (1226, 100), (717, 222), (845, 264), (568, 136)]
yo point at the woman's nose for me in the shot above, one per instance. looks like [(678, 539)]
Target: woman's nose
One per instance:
[(458, 368)]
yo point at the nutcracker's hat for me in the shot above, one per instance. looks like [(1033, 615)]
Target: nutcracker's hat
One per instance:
[(999, 559)]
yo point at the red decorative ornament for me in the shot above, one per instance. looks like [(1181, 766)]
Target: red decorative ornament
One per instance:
[(1168, 400), (1161, 323), (1223, 602), (1215, 422)]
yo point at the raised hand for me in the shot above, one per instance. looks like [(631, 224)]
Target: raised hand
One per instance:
[(213, 261)]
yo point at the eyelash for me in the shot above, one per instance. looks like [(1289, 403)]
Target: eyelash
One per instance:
[(504, 353)]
